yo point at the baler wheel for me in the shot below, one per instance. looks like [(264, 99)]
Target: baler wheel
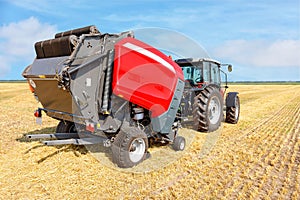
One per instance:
[(208, 110), (233, 113), (66, 127), (179, 143), (129, 147)]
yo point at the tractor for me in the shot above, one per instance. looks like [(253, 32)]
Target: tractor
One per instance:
[(202, 100), (117, 91)]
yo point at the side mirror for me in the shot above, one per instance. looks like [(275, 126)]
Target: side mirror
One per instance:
[(230, 68)]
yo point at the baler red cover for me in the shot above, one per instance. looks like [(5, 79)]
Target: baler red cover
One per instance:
[(144, 76)]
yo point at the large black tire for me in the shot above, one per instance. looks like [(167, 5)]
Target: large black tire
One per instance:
[(208, 110), (233, 113), (66, 127), (129, 147)]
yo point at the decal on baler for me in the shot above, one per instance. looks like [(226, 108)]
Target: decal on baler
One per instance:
[(150, 55)]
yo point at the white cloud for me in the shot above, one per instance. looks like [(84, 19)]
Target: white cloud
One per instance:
[(17, 41), (280, 53), (19, 37)]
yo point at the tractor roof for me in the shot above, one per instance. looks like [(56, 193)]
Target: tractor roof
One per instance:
[(195, 60)]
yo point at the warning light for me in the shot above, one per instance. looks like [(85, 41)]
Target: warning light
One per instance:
[(38, 113)]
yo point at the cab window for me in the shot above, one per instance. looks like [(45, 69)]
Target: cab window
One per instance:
[(215, 74), (206, 71), (193, 73), (198, 75)]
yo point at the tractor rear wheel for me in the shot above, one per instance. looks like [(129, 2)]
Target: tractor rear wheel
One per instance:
[(208, 110), (66, 127), (233, 113), (129, 147)]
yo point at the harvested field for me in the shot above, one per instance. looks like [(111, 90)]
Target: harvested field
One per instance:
[(259, 158)]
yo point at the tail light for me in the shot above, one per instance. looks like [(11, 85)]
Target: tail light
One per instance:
[(38, 116), (38, 113)]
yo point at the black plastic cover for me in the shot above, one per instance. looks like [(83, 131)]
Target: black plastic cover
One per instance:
[(62, 46)]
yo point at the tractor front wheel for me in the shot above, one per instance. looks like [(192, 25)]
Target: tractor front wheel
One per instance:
[(129, 147), (233, 113)]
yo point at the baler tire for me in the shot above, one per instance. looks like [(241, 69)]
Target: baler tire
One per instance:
[(129, 147), (233, 113), (179, 143), (208, 110), (66, 127)]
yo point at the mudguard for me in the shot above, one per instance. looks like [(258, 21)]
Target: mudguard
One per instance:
[(231, 98)]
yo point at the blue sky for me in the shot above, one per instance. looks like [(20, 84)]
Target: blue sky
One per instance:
[(260, 38)]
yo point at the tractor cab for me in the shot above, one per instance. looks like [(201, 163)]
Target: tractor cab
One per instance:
[(203, 96), (198, 73)]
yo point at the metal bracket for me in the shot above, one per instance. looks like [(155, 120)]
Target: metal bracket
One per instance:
[(71, 138)]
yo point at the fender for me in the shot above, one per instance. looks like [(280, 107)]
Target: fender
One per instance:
[(230, 99)]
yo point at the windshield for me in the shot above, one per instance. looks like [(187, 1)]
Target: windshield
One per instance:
[(193, 74), (201, 72)]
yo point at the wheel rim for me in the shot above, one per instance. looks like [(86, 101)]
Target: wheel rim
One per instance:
[(137, 150), (214, 110), (236, 110), (72, 129), (181, 146)]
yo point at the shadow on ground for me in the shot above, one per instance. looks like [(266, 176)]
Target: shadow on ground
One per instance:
[(47, 130), (76, 149)]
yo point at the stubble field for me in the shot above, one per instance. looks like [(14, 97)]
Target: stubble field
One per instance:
[(259, 158)]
